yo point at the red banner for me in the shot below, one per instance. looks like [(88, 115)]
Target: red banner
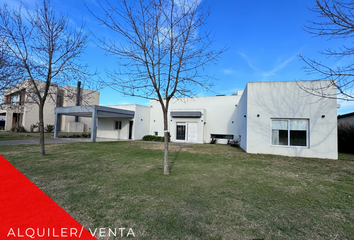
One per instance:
[(26, 212)]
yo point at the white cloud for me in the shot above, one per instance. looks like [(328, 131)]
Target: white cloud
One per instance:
[(228, 71), (279, 66), (249, 61)]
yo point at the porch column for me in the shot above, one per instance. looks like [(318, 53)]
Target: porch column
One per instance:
[(56, 125), (93, 127)]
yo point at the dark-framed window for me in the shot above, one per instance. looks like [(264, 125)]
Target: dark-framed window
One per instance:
[(222, 136), (117, 124), (181, 131), (290, 132)]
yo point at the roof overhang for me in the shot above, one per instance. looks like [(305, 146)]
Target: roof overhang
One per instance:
[(186, 114), (345, 115), (87, 111)]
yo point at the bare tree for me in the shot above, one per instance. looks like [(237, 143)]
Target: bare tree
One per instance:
[(45, 48), (10, 73), (165, 51), (338, 23)]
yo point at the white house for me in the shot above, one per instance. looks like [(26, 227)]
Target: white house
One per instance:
[(268, 117), (280, 118)]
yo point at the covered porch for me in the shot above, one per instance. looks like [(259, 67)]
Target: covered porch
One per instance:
[(92, 111)]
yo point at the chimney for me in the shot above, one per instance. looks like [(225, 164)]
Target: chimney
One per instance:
[(78, 93)]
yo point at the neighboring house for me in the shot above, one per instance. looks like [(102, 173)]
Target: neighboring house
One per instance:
[(20, 107), (349, 117), (268, 117)]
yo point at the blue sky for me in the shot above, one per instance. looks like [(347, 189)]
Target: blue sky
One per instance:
[(265, 39)]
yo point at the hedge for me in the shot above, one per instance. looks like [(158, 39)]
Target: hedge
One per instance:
[(346, 137), (154, 138)]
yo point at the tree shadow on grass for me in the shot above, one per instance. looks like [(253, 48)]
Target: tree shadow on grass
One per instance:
[(173, 161)]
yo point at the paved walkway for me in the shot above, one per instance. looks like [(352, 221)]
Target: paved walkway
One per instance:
[(72, 140)]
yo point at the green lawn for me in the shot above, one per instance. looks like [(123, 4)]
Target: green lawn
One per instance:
[(7, 135), (213, 192)]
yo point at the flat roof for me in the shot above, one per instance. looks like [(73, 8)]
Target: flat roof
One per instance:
[(86, 111), (346, 115)]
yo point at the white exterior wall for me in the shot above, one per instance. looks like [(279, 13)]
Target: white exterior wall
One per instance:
[(242, 121), (199, 121), (141, 123), (105, 128), (286, 100), (219, 116)]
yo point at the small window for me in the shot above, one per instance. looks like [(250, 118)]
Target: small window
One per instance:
[(290, 132), (156, 133), (117, 124), (222, 136), (15, 100), (35, 96)]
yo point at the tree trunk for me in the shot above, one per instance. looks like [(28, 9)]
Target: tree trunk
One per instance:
[(166, 170), (41, 129)]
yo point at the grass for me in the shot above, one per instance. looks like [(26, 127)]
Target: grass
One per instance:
[(213, 191), (7, 135)]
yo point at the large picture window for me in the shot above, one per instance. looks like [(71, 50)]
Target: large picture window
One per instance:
[(290, 132)]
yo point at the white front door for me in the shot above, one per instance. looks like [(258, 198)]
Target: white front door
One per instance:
[(192, 133)]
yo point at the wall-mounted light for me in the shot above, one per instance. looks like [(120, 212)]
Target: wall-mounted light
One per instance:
[(232, 121), (141, 119), (171, 120), (204, 122), (244, 115), (201, 120), (323, 116), (235, 105), (154, 120), (257, 115)]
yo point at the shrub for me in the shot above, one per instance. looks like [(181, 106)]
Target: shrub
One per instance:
[(2, 127), (234, 143), (155, 138), (86, 134), (74, 135), (49, 128), (18, 129), (346, 137), (33, 126), (213, 141)]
